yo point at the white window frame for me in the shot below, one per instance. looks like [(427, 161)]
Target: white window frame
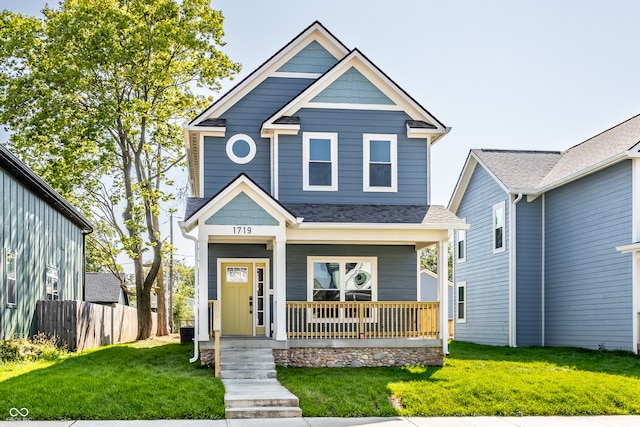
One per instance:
[(342, 260), (366, 150), (12, 300), (464, 244), (232, 156), (306, 138), (497, 206), (53, 273), (463, 286)]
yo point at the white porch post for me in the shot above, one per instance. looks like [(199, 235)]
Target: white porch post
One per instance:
[(280, 297), (203, 288), (443, 293)]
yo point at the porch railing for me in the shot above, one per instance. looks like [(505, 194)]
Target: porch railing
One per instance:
[(359, 320)]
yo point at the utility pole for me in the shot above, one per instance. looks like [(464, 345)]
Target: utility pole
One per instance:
[(171, 272)]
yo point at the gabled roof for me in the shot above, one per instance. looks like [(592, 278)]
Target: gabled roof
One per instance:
[(535, 172), (197, 206), (102, 288), (609, 146), (421, 118), (29, 179), (518, 169), (315, 32)]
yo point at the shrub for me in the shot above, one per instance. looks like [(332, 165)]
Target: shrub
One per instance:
[(41, 346)]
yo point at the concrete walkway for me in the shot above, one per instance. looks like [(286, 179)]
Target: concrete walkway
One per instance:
[(594, 421)]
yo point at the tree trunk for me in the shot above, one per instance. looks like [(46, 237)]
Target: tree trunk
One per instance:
[(162, 306), (143, 299)]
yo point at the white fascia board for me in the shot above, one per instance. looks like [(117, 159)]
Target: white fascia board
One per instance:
[(381, 226), (633, 247), (270, 130), (209, 130), (584, 172), (422, 132), (364, 236), (315, 32), (463, 182)]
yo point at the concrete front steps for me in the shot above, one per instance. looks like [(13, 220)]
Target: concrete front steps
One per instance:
[(251, 387)]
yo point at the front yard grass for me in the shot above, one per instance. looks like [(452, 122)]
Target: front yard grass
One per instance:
[(477, 380), (143, 380), (154, 380)]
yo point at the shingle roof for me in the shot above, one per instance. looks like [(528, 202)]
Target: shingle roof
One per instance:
[(371, 214), (601, 147), (101, 287), (518, 169), (537, 170)]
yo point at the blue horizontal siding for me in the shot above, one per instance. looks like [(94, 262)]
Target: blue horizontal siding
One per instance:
[(587, 282), (246, 117), (351, 125), (529, 273), (486, 274)]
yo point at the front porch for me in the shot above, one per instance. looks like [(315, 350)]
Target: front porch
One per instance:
[(312, 320), (344, 334)]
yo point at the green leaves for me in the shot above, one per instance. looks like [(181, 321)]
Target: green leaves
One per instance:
[(93, 95)]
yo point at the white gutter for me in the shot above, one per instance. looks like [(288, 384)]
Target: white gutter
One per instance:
[(196, 353), (512, 270)]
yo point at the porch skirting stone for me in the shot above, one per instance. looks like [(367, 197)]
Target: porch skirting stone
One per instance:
[(207, 357), (356, 357)]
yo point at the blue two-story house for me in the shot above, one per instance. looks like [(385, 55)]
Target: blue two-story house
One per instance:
[(311, 204), (551, 256)]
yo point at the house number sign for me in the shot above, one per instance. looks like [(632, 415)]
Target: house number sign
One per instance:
[(241, 229)]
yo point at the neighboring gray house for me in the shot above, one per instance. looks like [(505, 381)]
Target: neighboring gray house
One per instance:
[(104, 288), (551, 256), (41, 247)]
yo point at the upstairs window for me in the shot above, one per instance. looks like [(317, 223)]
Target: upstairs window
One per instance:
[(498, 228), (10, 267), (380, 163), (461, 256), (52, 283), (320, 161)]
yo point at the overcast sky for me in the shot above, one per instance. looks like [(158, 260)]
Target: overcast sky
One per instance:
[(502, 74)]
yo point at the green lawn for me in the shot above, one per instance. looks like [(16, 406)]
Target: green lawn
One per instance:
[(477, 380), (153, 380), (145, 380)]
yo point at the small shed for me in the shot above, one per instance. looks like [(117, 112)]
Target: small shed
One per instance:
[(104, 288)]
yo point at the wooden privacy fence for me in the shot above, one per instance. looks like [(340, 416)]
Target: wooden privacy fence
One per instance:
[(83, 325), (353, 320)]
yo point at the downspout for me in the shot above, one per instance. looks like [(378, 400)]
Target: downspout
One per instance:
[(544, 253), (197, 294), (512, 271)]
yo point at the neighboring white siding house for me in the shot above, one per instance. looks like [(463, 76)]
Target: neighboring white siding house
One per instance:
[(568, 275)]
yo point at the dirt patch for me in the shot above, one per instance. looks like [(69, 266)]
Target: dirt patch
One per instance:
[(171, 338), (396, 402)]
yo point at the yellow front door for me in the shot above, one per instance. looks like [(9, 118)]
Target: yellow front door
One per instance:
[(237, 298)]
